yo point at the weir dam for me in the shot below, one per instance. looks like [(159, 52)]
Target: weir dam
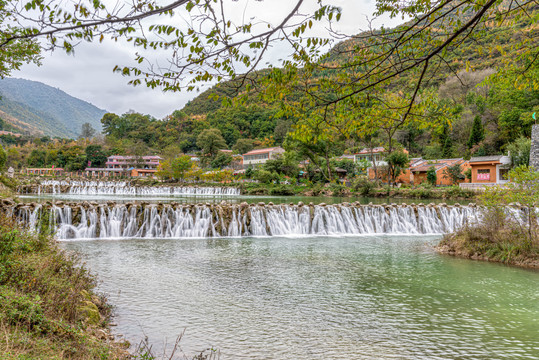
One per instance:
[(122, 188), (90, 220)]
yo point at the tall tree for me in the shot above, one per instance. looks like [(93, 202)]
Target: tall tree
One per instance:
[(477, 134), (3, 158), (87, 131), (210, 141)]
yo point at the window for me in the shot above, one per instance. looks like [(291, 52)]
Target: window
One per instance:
[(483, 174), (504, 174)]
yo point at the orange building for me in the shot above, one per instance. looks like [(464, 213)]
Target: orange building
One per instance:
[(419, 170), (490, 169)]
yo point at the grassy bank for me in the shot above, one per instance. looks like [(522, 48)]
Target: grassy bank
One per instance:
[(7, 187), (497, 238), (48, 308), (508, 229)]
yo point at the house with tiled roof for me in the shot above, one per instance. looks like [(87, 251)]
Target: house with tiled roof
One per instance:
[(490, 169), (258, 157), (420, 168)]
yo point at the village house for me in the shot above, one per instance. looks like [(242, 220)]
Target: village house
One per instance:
[(420, 168), (489, 170), (378, 169), (258, 157), (127, 166)]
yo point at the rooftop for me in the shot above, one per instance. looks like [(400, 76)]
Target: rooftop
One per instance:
[(486, 158), (263, 151), (148, 157), (425, 165), (375, 150)]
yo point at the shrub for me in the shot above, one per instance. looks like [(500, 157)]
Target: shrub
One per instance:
[(265, 176), (338, 189), (363, 185), (281, 190)]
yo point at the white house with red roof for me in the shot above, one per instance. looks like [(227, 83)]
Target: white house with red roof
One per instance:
[(257, 157), (374, 155)]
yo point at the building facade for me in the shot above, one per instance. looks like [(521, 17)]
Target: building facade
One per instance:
[(258, 157), (420, 168), (490, 169), (126, 166)]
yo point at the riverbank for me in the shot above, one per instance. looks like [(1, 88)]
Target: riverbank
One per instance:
[(420, 192), (48, 307), (360, 188), (480, 244)]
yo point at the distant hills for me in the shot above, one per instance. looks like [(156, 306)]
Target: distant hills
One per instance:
[(31, 107)]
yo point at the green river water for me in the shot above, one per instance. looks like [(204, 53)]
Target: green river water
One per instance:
[(361, 297)]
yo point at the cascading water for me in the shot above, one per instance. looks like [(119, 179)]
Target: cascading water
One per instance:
[(125, 188), (84, 221)]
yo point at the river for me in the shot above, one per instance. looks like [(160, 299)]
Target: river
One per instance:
[(369, 296)]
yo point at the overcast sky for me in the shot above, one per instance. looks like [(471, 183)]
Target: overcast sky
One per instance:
[(88, 73)]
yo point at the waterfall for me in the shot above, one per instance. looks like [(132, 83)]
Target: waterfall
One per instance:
[(125, 188), (85, 221)]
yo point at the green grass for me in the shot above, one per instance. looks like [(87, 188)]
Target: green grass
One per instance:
[(495, 238), (48, 308)]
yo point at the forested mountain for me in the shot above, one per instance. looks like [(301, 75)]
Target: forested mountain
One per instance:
[(36, 108), (502, 109)]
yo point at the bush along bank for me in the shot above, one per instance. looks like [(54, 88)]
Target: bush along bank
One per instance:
[(48, 307), (358, 188), (508, 231)]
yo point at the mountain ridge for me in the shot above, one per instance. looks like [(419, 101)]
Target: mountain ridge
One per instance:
[(36, 108)]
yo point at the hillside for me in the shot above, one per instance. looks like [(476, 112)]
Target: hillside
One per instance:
[(473, 54), (36, 108)]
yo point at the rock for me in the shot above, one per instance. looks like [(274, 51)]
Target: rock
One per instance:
[(322, 204), (300, 204), (270, 204), (261, 203), (456, 205), (243, 205), (311, 204)]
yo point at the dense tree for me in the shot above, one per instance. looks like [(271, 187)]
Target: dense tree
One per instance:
[(180, 166), (210, 141), (37, 158), (446, 142), (3, 158), (520, 152), (454, 173), (286, 164), (243, 146), (221, 160), (431, 176), (95, 155), (397, 161), (477, 134), (87, 131)]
